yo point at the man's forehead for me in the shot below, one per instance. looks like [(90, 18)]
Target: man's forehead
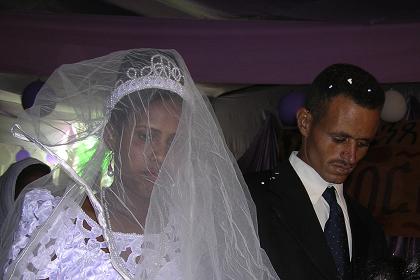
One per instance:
[(350, 119), (345, 134)]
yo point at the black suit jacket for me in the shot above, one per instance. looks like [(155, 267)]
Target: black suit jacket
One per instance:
[(291, 235)]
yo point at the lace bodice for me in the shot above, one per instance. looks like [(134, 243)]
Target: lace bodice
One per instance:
[(75, 249)]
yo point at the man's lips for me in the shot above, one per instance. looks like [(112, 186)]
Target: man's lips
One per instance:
[(342, 169)]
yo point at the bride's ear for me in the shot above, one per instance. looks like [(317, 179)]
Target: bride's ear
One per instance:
[(109, 137)]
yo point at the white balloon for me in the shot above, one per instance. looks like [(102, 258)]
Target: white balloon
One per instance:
[(395, 106)]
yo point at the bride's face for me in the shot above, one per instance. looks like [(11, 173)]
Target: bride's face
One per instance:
[(145, 143)]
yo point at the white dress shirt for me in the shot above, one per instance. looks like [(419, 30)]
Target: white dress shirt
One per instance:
[(315, 187)]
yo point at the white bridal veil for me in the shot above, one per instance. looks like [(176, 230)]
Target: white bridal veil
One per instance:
[(143, 145)]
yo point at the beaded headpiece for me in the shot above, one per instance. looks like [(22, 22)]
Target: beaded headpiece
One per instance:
[(162, 73)]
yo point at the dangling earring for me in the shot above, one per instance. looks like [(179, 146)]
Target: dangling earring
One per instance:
[(110, 171), (107, 170)]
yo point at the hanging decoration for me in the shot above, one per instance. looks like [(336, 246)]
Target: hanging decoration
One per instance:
[(29, 96), (288, 106), (30, 92)]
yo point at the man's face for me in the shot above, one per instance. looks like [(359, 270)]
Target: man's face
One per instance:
[(339, 140)]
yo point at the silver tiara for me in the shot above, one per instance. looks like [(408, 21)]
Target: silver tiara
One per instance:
[(161, 74)]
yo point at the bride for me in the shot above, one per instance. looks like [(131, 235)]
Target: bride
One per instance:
[(150, 191)]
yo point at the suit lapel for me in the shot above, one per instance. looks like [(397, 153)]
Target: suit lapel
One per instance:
[(294, 209), (359, 241)]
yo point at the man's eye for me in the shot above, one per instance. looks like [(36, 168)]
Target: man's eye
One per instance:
[(363, 144), (339, 139)]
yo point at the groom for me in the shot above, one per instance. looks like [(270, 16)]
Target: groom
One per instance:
[(308, 226)]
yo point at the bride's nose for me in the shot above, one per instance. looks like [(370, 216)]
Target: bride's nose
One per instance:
[(159, 151)]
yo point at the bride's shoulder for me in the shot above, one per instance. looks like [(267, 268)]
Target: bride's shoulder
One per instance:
[(38, 205), (36, 200), (39, 195)]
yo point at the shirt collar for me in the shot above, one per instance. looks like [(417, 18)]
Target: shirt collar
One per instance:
[(311, 180)]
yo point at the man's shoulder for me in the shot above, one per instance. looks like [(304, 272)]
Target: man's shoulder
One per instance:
[(284, 175), (270, 182), (358, 209), (364, 216), (363, 222)]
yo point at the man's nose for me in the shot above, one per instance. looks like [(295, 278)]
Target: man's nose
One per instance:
[(349, 152)]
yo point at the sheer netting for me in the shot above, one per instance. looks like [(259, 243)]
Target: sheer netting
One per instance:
[(145, 187)]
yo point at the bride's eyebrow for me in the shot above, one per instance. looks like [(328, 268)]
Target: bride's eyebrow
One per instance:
[(152, 129)]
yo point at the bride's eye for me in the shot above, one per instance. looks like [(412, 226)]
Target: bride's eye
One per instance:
[(142, 135)]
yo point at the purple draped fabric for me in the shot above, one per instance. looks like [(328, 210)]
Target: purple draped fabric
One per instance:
[(264, 153), (230, 51)]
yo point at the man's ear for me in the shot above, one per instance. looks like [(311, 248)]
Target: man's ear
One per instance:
[(304, 121)]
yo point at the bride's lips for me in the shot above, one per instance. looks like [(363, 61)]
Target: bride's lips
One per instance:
[(152, 173)]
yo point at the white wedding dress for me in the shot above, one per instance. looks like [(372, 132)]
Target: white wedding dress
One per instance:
[(77, 250)]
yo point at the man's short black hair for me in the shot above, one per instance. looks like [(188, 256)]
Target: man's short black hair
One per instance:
[(347, 80)]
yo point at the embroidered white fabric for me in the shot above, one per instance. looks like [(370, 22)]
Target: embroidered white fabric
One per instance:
[(77, 250)]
